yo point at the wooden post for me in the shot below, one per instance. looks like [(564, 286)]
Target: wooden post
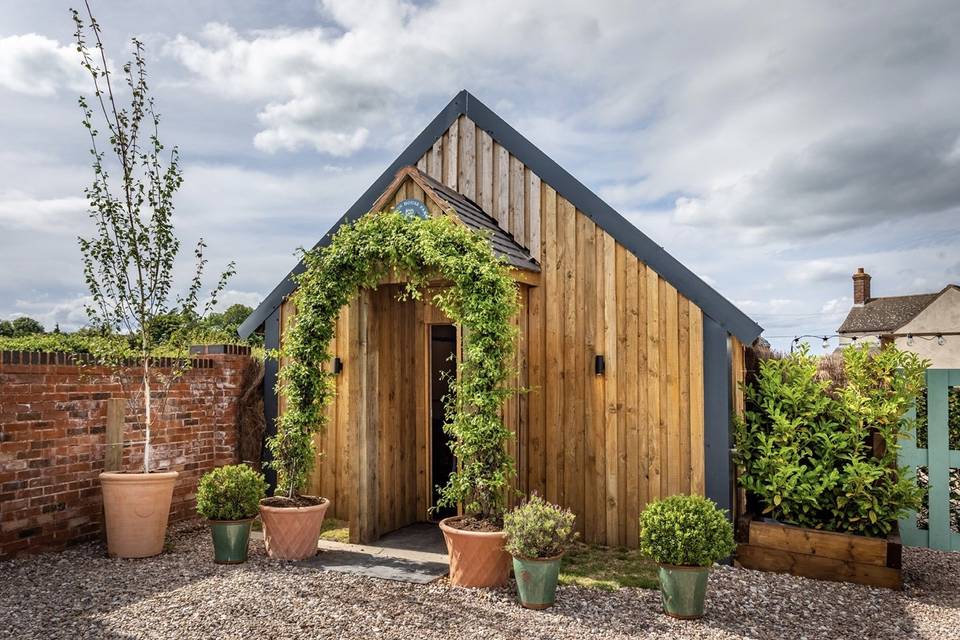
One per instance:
[(363, 393), (113, 459)]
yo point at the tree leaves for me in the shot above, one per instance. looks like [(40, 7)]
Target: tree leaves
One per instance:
[(806, 448), (128, 262)]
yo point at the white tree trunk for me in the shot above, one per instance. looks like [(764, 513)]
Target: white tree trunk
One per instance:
[(148, 413)]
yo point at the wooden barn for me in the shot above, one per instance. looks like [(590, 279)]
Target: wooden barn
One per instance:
[(630, 359)]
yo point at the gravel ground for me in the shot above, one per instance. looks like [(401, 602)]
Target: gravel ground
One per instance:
[(182, 594)]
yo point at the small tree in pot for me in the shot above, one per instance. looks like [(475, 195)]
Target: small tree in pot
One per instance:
[(228, 497), (128, 266), (538, 534), (685, 535), (292, 521)]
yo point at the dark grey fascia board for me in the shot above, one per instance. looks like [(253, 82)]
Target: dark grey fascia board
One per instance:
[(716, 415), (271, 402), (685, 281)]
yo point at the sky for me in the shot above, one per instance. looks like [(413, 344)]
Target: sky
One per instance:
[(771, 147)]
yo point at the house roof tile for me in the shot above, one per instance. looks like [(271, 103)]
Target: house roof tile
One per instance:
[(886, 314)]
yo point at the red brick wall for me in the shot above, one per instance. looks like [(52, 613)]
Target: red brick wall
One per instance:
[(53, 441)]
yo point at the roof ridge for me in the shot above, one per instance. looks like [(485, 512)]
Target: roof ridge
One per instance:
[(905, 295), (691, 286)]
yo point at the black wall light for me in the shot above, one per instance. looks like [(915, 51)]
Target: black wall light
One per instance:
[(337, 366), (599, 366)]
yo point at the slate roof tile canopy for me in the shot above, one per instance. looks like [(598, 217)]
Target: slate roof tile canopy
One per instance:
[(503, 243), (714, 305)]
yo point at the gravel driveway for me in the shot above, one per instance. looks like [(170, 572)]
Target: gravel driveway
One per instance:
[(81, 594)]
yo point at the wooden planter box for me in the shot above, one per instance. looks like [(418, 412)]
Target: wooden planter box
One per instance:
[(823, 555)]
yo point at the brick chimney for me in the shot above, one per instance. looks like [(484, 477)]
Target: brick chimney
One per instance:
[(861, 287)]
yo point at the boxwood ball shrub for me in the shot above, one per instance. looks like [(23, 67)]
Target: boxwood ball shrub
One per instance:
[(232, 492), (538, 529), (685, 530)]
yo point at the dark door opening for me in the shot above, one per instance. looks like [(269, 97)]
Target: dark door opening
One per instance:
[(443, 363)]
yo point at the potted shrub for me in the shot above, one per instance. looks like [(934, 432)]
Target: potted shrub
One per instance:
[(818, 449), (685, 535), (538, 533), (292, 521), (476, 540), (228, 497), (128, 265)]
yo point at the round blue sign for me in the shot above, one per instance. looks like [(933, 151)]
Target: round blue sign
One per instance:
[(412, 208)]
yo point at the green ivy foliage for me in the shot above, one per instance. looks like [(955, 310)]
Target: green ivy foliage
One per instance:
[(807, 449), (538, 529), (231, 492), (481, 299), (685, 530)]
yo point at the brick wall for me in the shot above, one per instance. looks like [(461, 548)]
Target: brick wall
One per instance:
[(53, 441)]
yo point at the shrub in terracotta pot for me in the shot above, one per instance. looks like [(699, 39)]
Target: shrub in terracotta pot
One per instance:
[(538, 533), (685, 535), (229, 497), (129, 260), (476, 541), (292, 521)]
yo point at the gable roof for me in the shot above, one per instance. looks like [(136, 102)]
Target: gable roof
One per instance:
[(888, 313), (669, 268), (469, 213)]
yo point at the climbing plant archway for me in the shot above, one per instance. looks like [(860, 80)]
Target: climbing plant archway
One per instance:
[(481, 299)]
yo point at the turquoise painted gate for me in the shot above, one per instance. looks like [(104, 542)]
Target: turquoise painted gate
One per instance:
[(935, 457)]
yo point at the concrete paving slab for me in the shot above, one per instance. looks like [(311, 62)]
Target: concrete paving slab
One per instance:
[(416, 553), (378, 566)]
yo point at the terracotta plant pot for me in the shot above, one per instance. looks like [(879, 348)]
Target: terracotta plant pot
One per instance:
[(291, 533), (137, 508), (477, 558)]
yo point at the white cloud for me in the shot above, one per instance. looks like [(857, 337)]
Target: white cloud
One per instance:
[(232, 296), (48, 215), (819, 270), (328, 87), (837, 306), (39, 66), (69, 314)]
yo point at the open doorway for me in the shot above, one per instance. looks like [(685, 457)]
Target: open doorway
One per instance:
[(443, 363)]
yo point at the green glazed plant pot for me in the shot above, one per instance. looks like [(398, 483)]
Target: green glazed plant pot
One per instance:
[(537, 581), (230, 540), (683, 590)]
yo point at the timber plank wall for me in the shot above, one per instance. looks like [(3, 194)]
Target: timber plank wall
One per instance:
[(603, 446)]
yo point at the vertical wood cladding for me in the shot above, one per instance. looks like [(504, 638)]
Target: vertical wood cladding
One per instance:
[(602, 445)]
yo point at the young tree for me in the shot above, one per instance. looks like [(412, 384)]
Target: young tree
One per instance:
[(128, 263)]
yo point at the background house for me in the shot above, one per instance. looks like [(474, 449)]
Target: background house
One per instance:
[(926, 323)]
